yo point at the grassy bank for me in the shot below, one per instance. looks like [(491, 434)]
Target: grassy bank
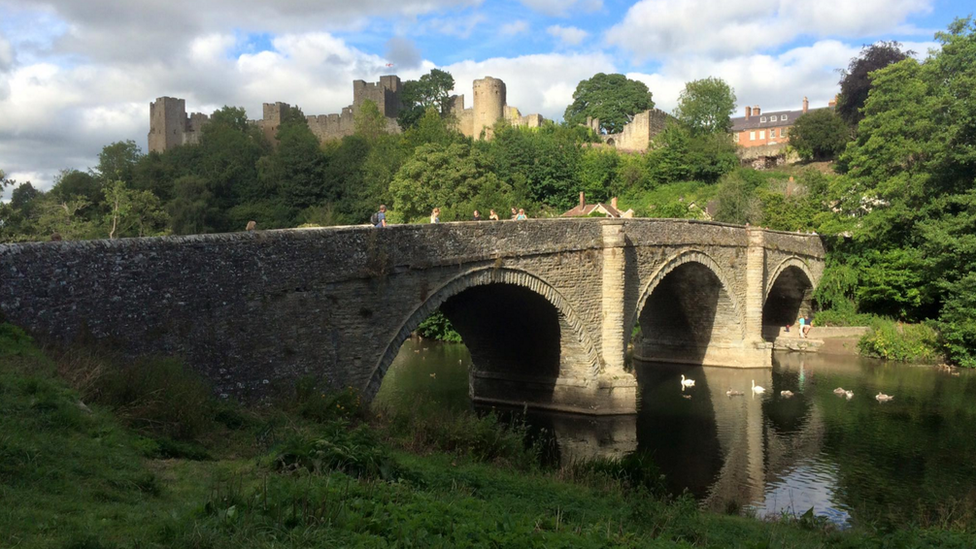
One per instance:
[(93, 455)]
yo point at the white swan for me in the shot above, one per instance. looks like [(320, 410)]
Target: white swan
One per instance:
[(757, 388), (686, 382), (839, 391), (786, 394), (883, 397), (848, 394)]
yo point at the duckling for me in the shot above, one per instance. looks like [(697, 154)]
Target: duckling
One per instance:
[(786, 394), (839, 391), (433, 376), (758, 389), (881, 397), (686, 382), (954, 374), (731, 393), (686, 396)]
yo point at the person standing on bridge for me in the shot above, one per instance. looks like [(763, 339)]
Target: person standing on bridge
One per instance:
[(379, 218), (435, 216), (521, 215), (476, 216), (492, 215)]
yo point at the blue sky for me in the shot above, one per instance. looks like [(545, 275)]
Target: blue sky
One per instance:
[(76, 76)]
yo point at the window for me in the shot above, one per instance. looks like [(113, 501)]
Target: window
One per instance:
[(772, 133), (752, 136), (783, 117), (762, 134), (763, 119), (784, 132)]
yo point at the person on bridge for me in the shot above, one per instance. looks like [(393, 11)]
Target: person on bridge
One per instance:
[(476, 216), (514, 213), (435, 216), (379, 218), (521, 215), (492, 215)]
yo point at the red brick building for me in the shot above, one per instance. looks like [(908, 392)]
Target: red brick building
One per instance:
[(757, 128)]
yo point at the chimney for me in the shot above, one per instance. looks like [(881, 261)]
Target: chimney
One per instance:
[(582, 201), (613, 202), (756, 111), (832, 102), (748, 112), (806, 105)]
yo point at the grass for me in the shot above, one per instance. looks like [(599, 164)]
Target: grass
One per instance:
[(322, 472)]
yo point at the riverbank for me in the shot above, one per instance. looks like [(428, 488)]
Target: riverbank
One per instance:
[(166, 467)]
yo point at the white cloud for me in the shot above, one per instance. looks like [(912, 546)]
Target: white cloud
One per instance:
[(661, 28), (519, 26), (568, 36), (559, 8)]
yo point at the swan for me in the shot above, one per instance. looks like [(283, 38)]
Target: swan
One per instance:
[(786, 394), (839, 391), (757, 388), (848, 394), (881, 397), (686, 382), (731, 393)]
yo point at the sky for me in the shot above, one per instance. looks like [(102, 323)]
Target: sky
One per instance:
[(77, 75)]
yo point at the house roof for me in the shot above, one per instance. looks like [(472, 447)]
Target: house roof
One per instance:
[(587, 209), (773, 119)]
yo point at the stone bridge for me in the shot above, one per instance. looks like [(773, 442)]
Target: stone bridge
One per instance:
[(546, 307)]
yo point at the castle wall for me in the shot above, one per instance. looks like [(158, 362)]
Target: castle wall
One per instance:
[(489, 107), (636, 135)]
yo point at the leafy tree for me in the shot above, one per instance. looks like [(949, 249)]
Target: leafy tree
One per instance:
[(819, 134), (855, 81), (296, 169), (678, 155), (541, 161), (432, 90), (737, 202), (118, 160), (369, 121), (598, 173), (613, 98), (133, 213), (706, 106), (456, 178), (192, 210), (73, 184)]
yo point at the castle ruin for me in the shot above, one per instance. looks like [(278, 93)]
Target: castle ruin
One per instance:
[(490, 106), (637, 134), (170, 126)]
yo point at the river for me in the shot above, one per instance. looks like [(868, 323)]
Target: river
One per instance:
[(852, 460)]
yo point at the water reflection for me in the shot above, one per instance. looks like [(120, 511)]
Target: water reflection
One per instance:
[(850, 460)]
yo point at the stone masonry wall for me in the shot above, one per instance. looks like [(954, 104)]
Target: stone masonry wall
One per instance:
[(253, 310)]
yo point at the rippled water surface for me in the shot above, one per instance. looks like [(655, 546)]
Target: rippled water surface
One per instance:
[(849, 459)]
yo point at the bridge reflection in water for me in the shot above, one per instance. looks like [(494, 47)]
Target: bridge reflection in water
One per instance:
[(730, 452)]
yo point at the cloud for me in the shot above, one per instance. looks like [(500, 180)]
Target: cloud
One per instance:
[(560, 8), (567, 36), (655, 29), (519, 26), (403, 53)]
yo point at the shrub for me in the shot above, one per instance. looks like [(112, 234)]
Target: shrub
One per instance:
[(14, 341), (636, 471), (356, 452), (437, 326), (902, 342)]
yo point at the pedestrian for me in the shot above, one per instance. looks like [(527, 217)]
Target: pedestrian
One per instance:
[(251, 225), (435, 215), (521, 215), (802, 321), (378, 219), (492, 215), (808, 323), (476, 216), (514, 213)]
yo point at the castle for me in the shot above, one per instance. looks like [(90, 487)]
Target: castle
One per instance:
[(170, 126)]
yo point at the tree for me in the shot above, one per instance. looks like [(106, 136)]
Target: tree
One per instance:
[(855, 81), (456, 178), (369, 121), (706, 106), (737, 202), (542, 162), (432, 90), (132, 213), (679, 155), (613, 98), (819, 134), (118, 160)]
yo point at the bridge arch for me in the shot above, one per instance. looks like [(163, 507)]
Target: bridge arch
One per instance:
[(788, 294), (687, 309), (567, 318)]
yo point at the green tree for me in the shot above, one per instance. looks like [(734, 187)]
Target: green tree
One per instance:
[(369, 121), (192, 209), (539, 161), (706, 106), (855, 81), (118, 161), (613, 98), (679, 155), (132, 213), (432, 90), (737, 201), (819, 134), (296, 169), (456, 178)]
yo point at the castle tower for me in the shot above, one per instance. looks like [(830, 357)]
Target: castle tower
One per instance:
[(167, 123), (489, 104), (271, 119)]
